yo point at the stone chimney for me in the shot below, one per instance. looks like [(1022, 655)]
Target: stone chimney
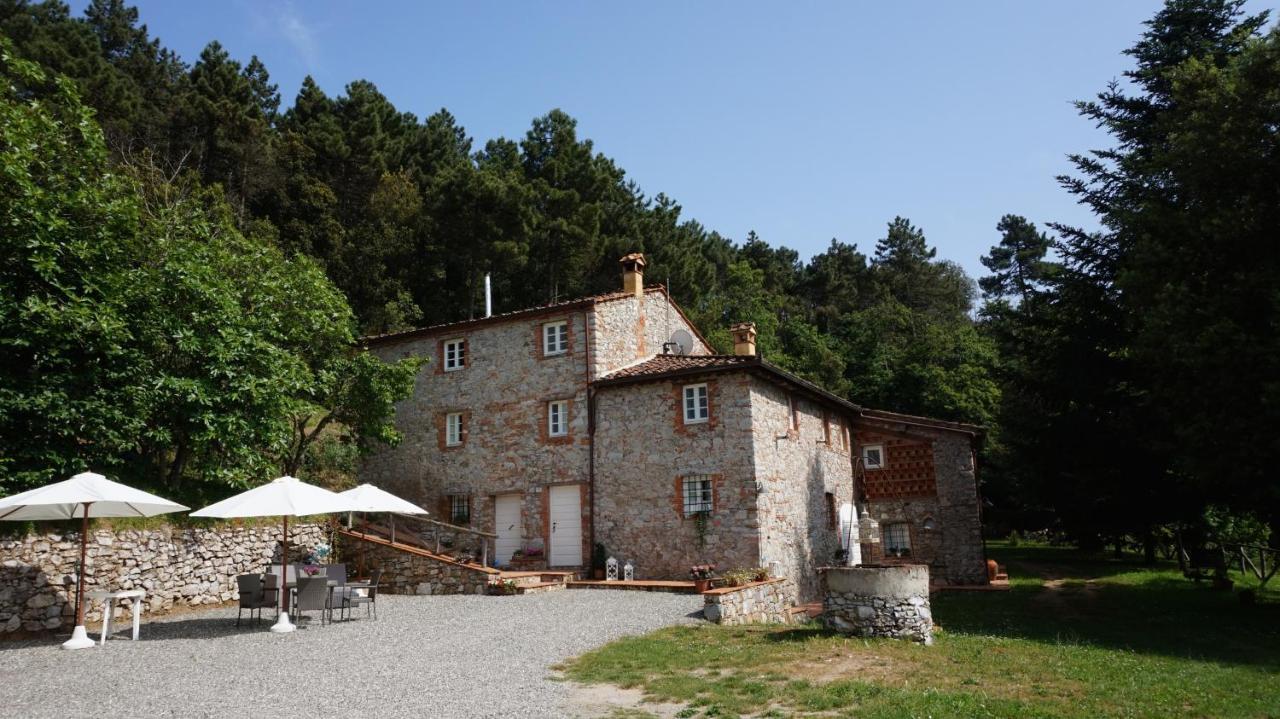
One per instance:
[(633, 274), (744, 339)]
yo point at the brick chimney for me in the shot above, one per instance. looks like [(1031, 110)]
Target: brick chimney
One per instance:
[(744, 339), (633, 274)]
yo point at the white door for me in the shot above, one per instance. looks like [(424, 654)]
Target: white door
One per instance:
[(566, 526), (506, 519)]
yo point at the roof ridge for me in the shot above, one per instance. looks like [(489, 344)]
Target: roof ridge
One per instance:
[(506, 316)]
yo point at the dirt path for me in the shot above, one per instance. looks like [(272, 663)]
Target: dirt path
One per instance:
[(1060, 593)]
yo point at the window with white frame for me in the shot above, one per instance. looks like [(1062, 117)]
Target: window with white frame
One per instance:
[(696, 405), (873, 456), (460, 509), (453, 429), (897, 539), (555, 338), (558, 418), (697, 494), (455, 354)]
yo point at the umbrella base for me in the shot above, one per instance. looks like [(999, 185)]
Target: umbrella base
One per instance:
[(283, 624), (79, 639)]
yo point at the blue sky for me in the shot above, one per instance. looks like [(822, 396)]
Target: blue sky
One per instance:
[(802, 121)]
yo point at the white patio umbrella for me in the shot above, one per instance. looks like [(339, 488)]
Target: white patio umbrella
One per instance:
[(284, 497), (368, 498), (85, 495)]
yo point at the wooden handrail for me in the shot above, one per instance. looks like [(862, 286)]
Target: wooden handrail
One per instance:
[(454, 527)]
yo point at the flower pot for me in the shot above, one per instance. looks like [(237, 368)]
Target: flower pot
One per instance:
[(702, 585), (597, 573)]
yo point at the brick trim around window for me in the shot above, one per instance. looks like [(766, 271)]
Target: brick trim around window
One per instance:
[(713, 402), (677, 495), (466, 354), (544, 435), (540, 342), (442, 430)]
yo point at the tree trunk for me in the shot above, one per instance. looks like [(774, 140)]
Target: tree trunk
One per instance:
[(1148, 547)]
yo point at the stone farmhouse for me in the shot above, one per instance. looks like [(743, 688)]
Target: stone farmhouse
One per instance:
[(609, 419)]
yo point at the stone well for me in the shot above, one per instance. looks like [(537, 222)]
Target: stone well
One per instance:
[(878, 601)]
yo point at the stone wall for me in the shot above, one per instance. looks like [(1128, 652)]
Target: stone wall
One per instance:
[(628, 330), (945, 522), (878, 601), (801, 455), (418, 572), (765, 602), (642, 454), (176, 567), (503, 393)]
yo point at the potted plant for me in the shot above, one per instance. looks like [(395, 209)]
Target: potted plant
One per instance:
[(599, 558), (703, 575)]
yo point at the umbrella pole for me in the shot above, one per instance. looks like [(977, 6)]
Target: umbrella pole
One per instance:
[(364, 529), (79, 637), (283, 624)]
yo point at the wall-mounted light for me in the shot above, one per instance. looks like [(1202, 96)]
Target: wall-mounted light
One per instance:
[(928, 524)]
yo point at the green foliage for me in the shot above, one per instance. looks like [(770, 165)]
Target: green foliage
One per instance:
[(145, 334), (1139, 374)]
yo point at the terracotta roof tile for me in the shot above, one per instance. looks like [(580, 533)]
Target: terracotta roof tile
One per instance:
[(664, 364)]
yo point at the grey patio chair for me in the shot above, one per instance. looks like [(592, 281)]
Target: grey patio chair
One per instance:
[(352, 599), (252, 595), (271, 592), (312, 596)]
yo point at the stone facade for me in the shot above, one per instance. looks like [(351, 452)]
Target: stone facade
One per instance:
[(928, 484), (765, 602), (176, 567), (420, 572), (777, 451), (803, 467), (644, 454), (502, 394), (878, 601)]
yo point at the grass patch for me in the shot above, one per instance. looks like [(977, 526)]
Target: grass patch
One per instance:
[(1104, 638)]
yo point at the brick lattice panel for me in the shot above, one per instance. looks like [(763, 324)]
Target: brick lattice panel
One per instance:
[(908, 470)]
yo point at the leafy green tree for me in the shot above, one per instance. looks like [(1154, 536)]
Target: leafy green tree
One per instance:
[(66, 367)]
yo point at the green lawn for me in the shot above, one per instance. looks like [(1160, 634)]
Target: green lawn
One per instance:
[(1107, 638)]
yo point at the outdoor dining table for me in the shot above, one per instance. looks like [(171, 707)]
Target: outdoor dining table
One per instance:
[(108, 606)]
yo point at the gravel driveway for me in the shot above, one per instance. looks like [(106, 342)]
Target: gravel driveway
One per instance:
[(451, 656)]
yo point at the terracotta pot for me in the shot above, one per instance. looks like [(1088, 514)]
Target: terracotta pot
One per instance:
[(992, 570), (597, 573), (702, 585)]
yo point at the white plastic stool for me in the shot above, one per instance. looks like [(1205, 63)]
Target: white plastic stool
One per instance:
[(108, 607)]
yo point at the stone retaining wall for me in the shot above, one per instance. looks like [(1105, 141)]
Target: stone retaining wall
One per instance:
[(764, 602), (176, 567), (889, 601), (405, 572)]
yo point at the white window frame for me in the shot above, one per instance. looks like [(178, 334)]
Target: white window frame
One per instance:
[(453, 429), (455, 354), (555, 338), (696, 405), (902, 549), (558, 418), (866, 461), (697, 494)]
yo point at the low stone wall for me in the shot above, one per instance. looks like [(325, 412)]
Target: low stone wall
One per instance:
[(888, 601), (764, 602), (176, 567), (416, 572)]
